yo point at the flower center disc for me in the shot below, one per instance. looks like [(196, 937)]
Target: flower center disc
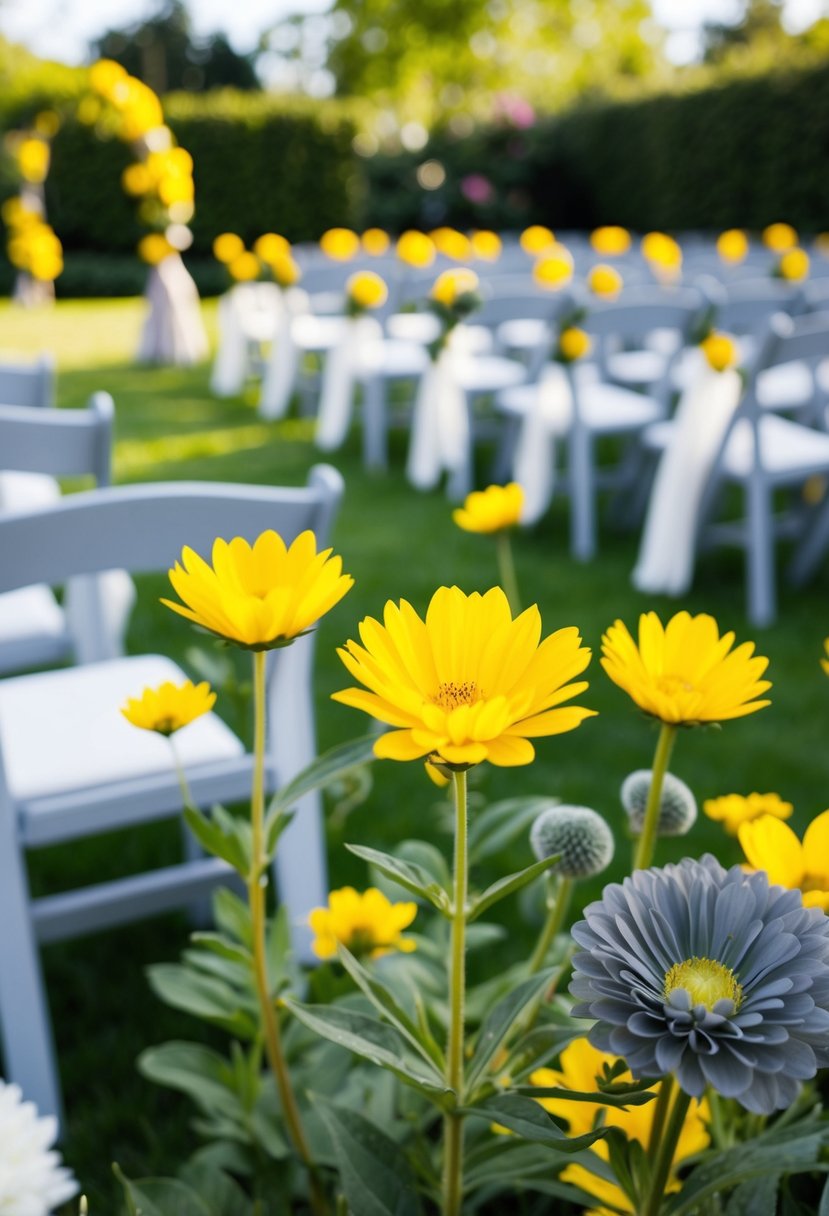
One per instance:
[(705, 980), (451, 695)]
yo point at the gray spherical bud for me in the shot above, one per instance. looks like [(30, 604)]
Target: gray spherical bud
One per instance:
[(678, 806), (580, 835)]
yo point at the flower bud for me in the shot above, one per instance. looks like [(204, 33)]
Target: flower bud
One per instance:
[(580, 835), (678, 806)]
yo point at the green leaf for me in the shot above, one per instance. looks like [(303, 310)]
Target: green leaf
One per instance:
[(202, 995), (530, 1121), (491, 830), (221, 946), (388, 1006), (506, 1159), (757, 1197), (233, 916), (325, 769), (162, 1197), (406, 874), (219, 1191), (197, 1071), (629, 1097), (509, 885), (823, 1210), (214, 837), (499, 1023), (780, 1150), (275, 825), (374, 1174), (372, 1040)]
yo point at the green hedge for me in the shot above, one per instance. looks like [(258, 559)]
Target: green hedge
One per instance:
[(260, 165), (746, 153)]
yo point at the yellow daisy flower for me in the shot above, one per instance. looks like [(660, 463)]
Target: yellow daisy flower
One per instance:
[(794, 265), (169, 707), (416, 249), (684, 673), (491, 510), (733, 810), (227, 247), (555, 269), (367, 923), (244, 268), (366, 290), (573, 344), (605, 281), (375, 242), (536, 239), (579, 1067), (772, 846), (271, 247), (732, 246), (453, 283), (486, 245), (259, 596), (720, 351), (341, 244), (452, 244), (467, 684), (610, 241), (779, 237)]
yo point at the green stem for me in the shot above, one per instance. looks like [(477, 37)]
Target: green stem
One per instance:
[(718, 1133), (660, 1114), (664, 1156), (556, 912), (182, 780), (256, 899), (647, 841), (506, 570), (453, 1122)]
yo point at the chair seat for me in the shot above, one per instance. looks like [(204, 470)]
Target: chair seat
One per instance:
[(422, 327), (30, 611), (787, 386), (636, 366), (488, 373), (317, 333), (524, 333), (788, 449), (27, 491), (607, 409), (393, 359), (63, 730)]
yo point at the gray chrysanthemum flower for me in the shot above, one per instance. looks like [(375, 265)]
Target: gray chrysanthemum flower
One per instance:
[(580, 835), (713, 975), (677, 804)]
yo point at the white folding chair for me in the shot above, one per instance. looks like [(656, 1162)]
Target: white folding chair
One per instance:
[(28, 383), (37, 446), (763, 453), (71, 766)]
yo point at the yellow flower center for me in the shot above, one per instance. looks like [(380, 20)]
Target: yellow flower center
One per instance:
[(451, 695), (672, 685), (705, 980)]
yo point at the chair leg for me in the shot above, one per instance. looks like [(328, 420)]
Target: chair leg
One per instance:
[(760, 587), (28, 1044), (582, 476), (375, 424)]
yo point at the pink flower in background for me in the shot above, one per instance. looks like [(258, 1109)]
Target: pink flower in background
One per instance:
[(477, 188), (515, 110)]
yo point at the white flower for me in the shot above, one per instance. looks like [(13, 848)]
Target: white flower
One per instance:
[(32, 1180)]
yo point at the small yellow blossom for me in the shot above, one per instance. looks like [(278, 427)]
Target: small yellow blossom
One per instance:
[(366, 923), (154, 248), (375, 242), (793, 265), (684, 673), (771, 845), (610, 241), (779, 237), (573, 344), (341, 244), (555, 269), (720, 351), (536, 239), (169, 707), (486, 245), (605, 281), (271, 247), (365, 289), (732, 246), (491, 510), (227, 247), (416, 249), (33, 159), (244, 268), (733, 810), (663, 253), (259, 596), (452, 284), (452, 244)]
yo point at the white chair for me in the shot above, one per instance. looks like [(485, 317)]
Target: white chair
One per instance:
[(763, 453), (37, 446), (28, 383), (642, 334), (71, 766)]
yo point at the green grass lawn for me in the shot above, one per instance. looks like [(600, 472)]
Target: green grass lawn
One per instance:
[(396, 543)]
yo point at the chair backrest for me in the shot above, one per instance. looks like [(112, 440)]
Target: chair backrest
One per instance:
[(521, 306), (63, 443), (144, 528), (640, 311), (804, 339), (29, 384)]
